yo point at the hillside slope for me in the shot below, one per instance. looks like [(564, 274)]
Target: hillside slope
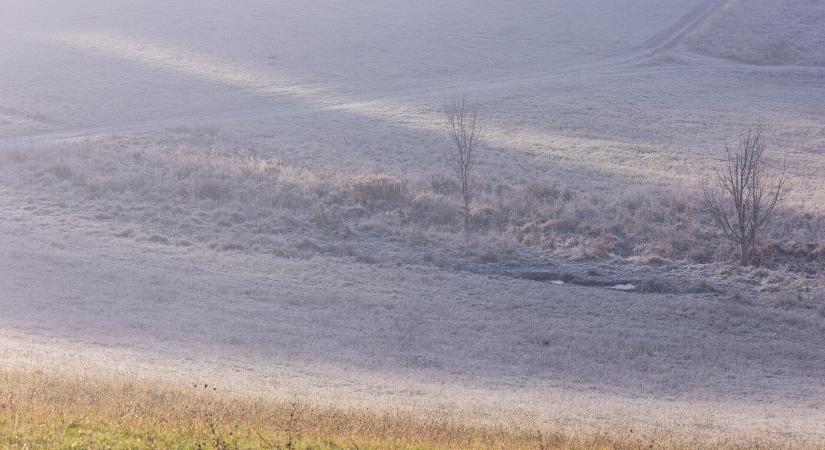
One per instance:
[(790, 32)]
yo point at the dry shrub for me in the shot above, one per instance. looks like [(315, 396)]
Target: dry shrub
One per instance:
[(738, 296), (790, 300), (212, 189), (565, 224), (606, 245), (293, 196), (328, 219), (433, 211), (484, 217), (355, 212), (442, 184), (491, 249), (377, 191), (543, 192), (61, 171)]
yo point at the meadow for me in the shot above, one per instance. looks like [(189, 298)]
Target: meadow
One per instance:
[(261, 200)]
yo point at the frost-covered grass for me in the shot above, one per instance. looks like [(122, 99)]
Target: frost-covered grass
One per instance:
[(415, 338), (192, 188), (299, 234), (765, 32)]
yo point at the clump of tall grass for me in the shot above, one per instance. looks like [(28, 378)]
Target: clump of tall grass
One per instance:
[(239, 200)]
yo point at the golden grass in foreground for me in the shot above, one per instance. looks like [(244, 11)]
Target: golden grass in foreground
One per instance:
[(47, 411)]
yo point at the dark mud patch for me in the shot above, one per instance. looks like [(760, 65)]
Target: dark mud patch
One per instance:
[(650, 284)]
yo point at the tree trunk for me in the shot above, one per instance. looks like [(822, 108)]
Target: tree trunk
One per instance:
[(466, 217), (744, 252)]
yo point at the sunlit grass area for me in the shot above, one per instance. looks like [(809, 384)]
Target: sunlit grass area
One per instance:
[(46, 411), (40, 410)]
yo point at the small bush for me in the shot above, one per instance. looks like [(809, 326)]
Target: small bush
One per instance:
[(483, 218), (433, 211), (374, 191), (212, 190), (442, 184), (790, 300), (540, 191), (61, 171)]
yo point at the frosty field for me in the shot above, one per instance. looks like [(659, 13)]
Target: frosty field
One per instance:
[(254, 195)]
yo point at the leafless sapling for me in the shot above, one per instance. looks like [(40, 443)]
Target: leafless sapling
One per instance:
[(742, 196), (465, 131)]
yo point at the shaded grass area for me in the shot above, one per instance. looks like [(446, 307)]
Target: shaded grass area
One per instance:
[(765, 32), (38, 410)]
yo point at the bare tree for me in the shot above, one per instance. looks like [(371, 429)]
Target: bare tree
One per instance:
[(743, 195), (465, 131)]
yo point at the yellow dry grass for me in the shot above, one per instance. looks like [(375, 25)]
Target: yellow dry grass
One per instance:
[(40, 410)]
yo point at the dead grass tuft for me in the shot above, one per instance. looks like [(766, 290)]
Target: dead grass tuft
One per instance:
[(377, 191)]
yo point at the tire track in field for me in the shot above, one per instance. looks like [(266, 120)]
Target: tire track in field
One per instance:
[(672, 36), (403, 99)]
